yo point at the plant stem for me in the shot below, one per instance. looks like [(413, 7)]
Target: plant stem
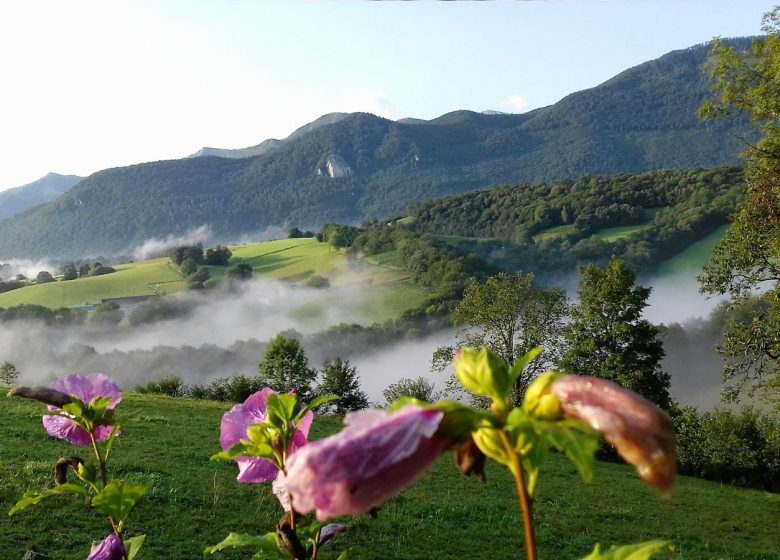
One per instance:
[(522, 493), (101, 461)]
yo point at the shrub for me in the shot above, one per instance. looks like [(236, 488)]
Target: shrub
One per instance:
[(419, 388), (171, 386)]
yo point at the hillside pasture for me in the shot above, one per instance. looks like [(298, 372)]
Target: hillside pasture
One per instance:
[(194, 502), (156, 276)]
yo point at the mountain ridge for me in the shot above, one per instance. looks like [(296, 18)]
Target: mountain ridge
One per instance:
[(364, 167), (18, 199)]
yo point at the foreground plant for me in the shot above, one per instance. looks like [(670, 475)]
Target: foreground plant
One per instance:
[(380, 453), (81, 411), (261, 435)]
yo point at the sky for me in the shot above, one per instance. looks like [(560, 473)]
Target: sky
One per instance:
[(87, 85)]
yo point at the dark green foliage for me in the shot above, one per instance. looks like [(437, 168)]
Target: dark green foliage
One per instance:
[(737, 448), (8, 285), (285, 367), (641, 120), (296, 233), (43, 277), (160, 309), (317, 281), (8, 373), (240, 271), (106, 313), (185, 252), (84, 270), (419, 388), (339, 236), (170, 386), (69, 272), (748, 258), (341, 378), (29, 312), (217, 256), (231, 389), (675, 207), (608, 338), (511, 315)]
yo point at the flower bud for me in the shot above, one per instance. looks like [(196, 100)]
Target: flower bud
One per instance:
[(61, 469), (41, 394), (482, 372), (538, 401)]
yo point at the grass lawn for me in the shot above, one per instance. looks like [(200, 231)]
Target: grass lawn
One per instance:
[(194, 502), (690, 261), (132, 279), (615, 233)]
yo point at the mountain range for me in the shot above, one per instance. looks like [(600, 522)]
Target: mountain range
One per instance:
[(45, 189), (359, 167)]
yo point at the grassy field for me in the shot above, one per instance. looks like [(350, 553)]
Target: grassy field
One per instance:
[(290, 260), (691, 261), (554, 233), (615, 233), (132, 279), (194, 502)]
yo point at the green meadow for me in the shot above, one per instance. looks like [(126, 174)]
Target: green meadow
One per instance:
[(194, 502), (690, 261), (289, 260)]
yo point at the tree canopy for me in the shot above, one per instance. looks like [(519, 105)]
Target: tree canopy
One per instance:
[(747, 261)]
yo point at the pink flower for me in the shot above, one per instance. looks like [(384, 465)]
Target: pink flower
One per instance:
[(377, 454), (84, 388), (640, 431), (110, 548), (233, 429)]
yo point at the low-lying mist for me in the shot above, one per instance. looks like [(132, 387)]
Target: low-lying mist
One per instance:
[(226, 331)]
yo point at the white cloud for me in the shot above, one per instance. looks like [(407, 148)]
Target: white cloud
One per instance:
[(155, 247), (367, 100), (516, 103)]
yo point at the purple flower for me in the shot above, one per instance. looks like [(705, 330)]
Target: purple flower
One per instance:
[(85, 388), (640, 431), (377, 454), (236, 421), (110, 548)]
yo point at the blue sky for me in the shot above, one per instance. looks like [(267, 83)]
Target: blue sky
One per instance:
[(90, 84)]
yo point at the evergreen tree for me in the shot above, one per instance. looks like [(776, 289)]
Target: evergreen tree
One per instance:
[(608, 338), (340, 378), (8, 373), (285, 367)]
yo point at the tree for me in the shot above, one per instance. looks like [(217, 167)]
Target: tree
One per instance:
[(510, 315), (240, 271), (8, 373), (747, 260), (106, 313), (419, 388), (340, 378), (285, 367), (69, 272), (608, 338), (218, 256), (43, 277)]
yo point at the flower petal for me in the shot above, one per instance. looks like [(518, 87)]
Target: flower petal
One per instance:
[(236, 421), (254, 470), (110, 548), (87, 387), (641, 432), (63, 428), (376, 455)]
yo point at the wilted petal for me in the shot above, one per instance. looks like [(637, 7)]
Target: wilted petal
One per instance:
[(331, 530), (376, 455), (641, 432), (281, 492), (46, 395), (110, 548)]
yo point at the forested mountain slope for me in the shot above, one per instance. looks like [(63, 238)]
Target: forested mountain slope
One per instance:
[(365, 167), (45, 189)]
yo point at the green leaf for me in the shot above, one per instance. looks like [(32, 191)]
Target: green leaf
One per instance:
[(491, 444), (315, 402), (482, 372), (641, 551), (521, 362), (268, 545), (346, 555), (280, 410), (398, 404), (230, 454), (460, 420), (32, 497), (117, 499), (133, 545), (579, 446)]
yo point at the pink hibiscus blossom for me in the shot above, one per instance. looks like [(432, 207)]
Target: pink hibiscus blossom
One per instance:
[(377, 454), (84, 388), (110, 548), (640, 431), (233, 429)]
